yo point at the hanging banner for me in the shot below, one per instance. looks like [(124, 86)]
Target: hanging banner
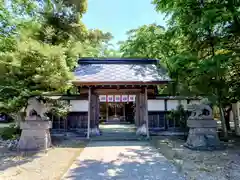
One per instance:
[(131, 98), (102, 98), (124, 98), (110, 98), (117, 98)]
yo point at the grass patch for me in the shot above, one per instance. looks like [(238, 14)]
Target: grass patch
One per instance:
[(4, 125), (10, 132)]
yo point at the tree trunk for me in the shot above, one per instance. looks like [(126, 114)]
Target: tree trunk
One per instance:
[(227, 118), (223, 123), (235, 110)]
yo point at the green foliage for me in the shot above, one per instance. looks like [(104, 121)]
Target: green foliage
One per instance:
[(180, 117), (147, 41), (59, 108), (200, 47), (206, 30), (11, 132), (40, 43)]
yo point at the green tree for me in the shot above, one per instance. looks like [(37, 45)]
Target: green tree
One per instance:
[(200, 48), (41, 49), (153, 41), (206, 27)]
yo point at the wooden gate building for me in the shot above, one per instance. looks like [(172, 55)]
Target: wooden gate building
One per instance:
[(115, 78)]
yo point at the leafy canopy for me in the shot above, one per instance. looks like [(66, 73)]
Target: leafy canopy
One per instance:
[(40, 43)]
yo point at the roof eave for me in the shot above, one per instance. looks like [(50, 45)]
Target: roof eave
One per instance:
[(81, 83)]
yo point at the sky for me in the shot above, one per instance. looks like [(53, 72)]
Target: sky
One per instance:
[(119, 16)]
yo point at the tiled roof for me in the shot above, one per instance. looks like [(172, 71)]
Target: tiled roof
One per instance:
[(122, 72)]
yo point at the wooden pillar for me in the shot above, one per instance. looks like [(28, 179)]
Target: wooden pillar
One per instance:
[(146, 111), (166, 123), (97, 111), (89, 112), (142, 109), (137, 110), (124, 113), (93, 111), (106, 111)]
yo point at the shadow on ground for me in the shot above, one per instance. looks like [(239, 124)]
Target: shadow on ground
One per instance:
[(13, 158), (132, 162), (207, 165), (10, 159)]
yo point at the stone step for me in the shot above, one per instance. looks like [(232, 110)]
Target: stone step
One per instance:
[(115, 122), (104, 138), (118, 135)]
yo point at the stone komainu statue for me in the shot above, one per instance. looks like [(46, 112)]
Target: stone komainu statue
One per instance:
[(36, 108), (202, 129), (200, 111)]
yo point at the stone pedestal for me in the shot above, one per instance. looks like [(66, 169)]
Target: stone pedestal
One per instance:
[(35, 135), (95, 131), (142, 130), (203, 135)]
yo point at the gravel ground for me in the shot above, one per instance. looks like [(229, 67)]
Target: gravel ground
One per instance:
[(199, 165), (50, 165)]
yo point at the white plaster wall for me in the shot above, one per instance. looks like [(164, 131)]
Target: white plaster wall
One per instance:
[(194, 102), (184, 103), (78, 106), (172, 104), (231, 116), (156, 105), (238, 113)]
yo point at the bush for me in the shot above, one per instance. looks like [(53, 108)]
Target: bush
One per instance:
[(101, 121), (180, 117), (11, 132)]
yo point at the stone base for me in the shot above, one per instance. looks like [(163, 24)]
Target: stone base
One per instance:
[(95, 132), (202, 123), (35, 135), (203, 139), (142, 130)]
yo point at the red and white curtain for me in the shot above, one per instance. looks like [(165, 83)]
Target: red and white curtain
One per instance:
[(117, 98)]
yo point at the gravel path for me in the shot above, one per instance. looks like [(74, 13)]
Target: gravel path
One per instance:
[(41, 166), (121, 161)]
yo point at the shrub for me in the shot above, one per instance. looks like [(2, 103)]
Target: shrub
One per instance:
[(179, 116), (11, 132), (101, 121)]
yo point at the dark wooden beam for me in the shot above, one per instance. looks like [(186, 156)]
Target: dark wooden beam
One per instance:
[(121, 91)]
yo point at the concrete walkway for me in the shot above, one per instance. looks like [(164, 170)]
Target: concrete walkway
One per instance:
[(121, 160)]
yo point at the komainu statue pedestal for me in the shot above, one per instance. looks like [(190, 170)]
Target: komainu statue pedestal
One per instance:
[(35, 129), (95, 131), (35, 135), (203, 129), (142, 130)]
